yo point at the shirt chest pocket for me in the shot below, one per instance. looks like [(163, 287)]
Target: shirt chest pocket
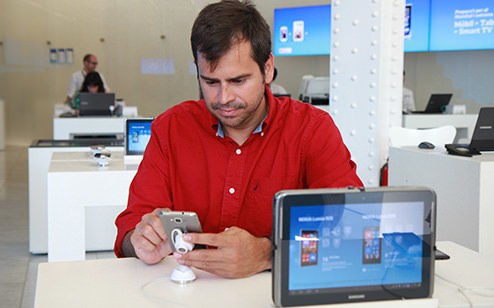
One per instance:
[(259, 202), (267, 187)]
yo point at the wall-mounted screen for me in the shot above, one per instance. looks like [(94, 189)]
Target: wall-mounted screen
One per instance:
[(430, 25), (462, 25), (302, 31), (417, 25)]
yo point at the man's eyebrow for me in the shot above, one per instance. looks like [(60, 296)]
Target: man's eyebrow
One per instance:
[(229, 79)]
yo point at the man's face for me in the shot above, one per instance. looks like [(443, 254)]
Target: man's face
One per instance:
[(91, 64), (234, 90)]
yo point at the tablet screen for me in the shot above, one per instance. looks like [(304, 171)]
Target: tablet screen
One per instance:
[(344, 247), (138, 133)]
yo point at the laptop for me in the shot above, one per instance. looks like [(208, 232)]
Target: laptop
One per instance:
[(96, 104), (137, 135), (352, 245), (437, 103), (482, 138)]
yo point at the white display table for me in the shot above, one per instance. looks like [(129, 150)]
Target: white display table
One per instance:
[(131, 283), (78, 186), (71, 128), (74, 127), (464, 188), (464, 123), (39, 156)]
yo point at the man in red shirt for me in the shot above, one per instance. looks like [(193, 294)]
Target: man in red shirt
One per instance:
[(224, 157)]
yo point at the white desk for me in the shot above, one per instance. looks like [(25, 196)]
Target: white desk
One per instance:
[(70, 128), (464, 123), (464, 188), (39, 157), (131, 283), (77, 186)]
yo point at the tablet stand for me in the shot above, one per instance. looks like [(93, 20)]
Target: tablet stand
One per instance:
[(182, 274)]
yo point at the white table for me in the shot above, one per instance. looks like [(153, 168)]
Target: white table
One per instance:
[(464, 123), (39, 162), (73, 127), (76, 187), (131, 283), (464, 188)]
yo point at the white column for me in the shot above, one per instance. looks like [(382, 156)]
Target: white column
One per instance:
[(366, 78)]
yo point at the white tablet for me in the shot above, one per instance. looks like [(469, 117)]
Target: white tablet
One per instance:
[(352, 245)]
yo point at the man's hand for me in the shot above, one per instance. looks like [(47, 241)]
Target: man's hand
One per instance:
[(149, 240), (239, 253)]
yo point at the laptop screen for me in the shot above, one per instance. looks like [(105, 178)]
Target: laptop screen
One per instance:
[(438, 102), (96, 104), (138, 133), (373, 245)]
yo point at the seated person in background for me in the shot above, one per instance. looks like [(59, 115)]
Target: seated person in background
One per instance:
[(408, 100), (89, 62), (226, 155), (276, 88), (92, 84)]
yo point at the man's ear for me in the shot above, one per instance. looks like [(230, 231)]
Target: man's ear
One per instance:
[(269, 69)]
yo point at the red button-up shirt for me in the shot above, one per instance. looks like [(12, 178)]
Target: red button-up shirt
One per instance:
[(188, 166)]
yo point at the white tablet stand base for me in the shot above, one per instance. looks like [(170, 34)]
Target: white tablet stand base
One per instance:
[(183, 274)]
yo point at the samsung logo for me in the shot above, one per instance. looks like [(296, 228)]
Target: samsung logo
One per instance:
[(485, 127), (356, 296)]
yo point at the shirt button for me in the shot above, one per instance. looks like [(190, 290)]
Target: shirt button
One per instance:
[(231, 190), (238, 151)]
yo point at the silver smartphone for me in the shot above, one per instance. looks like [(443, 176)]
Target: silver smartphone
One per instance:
[(184, 221)]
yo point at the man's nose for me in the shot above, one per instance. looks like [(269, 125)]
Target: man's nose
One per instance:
[(225, 94)]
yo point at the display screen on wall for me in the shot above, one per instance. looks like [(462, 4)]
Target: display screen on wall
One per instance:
[(430, 25), (417, 25), (462, 25), (302, 31)]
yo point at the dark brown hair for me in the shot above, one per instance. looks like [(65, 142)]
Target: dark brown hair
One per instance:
[(223, 24), (92, 79)]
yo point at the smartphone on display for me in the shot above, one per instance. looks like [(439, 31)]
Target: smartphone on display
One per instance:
[(408, 21), (309, 247), (298, 31), (184, 221), (283, 34), (371, 246)]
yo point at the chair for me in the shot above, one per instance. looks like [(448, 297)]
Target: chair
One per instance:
[(439, 136)]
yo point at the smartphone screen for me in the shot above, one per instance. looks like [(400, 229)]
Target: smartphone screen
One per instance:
[(309, 247), (371, 246)]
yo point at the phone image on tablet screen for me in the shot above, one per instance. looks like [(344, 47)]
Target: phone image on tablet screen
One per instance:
[(309, 247), (371, 246)]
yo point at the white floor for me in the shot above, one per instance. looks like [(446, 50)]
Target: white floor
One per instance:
[(18, 268)]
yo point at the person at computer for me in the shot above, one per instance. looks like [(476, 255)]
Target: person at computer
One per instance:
[(226, 155), (93, 83), (408, 100), (276, 89), (89, 62)]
